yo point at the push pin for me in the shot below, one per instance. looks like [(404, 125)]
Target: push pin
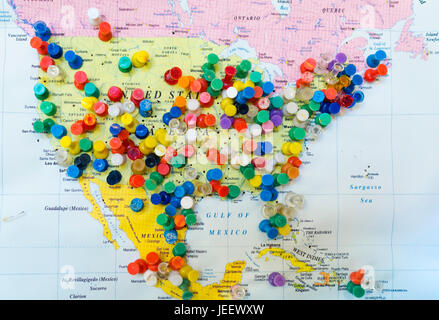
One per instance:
[(75, 61), (94, 17), (39, 45), (41, 30)]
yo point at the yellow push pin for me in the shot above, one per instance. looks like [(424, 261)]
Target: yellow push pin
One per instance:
[(100, 151)]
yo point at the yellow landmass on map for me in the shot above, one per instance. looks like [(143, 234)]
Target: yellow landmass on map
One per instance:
[(281, 253), (101, 66)]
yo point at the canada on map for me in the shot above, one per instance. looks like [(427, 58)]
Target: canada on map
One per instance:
[(218, 150)]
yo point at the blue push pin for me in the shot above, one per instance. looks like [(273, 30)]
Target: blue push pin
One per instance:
[(214, 174), (188, 187), (372, 61), (380, 55), (274, 194), (267, 180), (75, 61), (334, 108), (114, 177), (170, 210), (166, 118), (318, 96), (58, 131), (145, 108), (350, 70), (358, 96), (175, 112), (141, 131), (265, 195), (357, 80), (100, 165), (42, 31), (54, 50), (240, 99), (136, 205), (272, 233), (165, 198), (267, 88), (175, 201), (74, 172), (115, 129), (170, 236), (248, 93), (264, 225), (156, 199), (179, 192)]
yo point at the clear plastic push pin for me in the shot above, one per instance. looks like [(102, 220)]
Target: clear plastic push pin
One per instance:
[(190, 173), (237, 292), (268, 210), (173, 126), (163, 270), (288, 212), (337, 68), (94, 16), (55, 73), (63, 158), (324, 60), (182, 128), (294, 200), (313, 131)]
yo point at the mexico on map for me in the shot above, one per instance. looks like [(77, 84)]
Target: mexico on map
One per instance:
[(219, 150)]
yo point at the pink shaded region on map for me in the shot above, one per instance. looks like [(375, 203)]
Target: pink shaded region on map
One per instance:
[(308, 29), (411, 43)]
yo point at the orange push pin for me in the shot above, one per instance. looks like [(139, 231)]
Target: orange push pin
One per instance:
[(105, 31)]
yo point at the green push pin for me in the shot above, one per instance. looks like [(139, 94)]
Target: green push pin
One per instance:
[(350, 286), (255, 77), (178, 161), (48, 108), (314, 106), (85, 144), (234, 192), (297, 133), (216, 84), (187, 212), (209, 75), (282, 178), (358, 291), (191, 219), (125, 65), (213, 93), (169, 226), (249, 173), (276, 102), (169, 187), (91, 90), (162, 219), (245, 66), (187, 295), (39, 126), (150, 184), (263, 116), (157, 177), (212, 59), (185, 285), (40, 91), (48, 123), (179, 249), (323, 119)]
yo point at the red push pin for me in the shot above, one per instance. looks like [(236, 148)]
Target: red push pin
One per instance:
[(77, 128), (216, 185), (137, 181), (240, 125), (205, 99), (370, 75), (105, 31), (136, 96), (80, 80), (115, 94), (100, 108), (209, 120), (223, 191), (39, 45), (200, 121), (295, 161), (230, 73), (46, 62)]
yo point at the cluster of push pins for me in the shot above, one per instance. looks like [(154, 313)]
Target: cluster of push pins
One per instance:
[(362, 280), (251, 108)]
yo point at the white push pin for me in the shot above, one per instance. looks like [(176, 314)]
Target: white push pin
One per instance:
[(175, 278), (55, 73), (150, 278), (294, 200), (289, 93), (117, 159), (63, 158), (290, 108), (94, 16), (128, 107), (237, 292), (114, 110)]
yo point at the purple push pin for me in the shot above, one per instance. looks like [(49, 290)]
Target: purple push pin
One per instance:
[(279, 280), (276, 112), (277, 120), (271, 278), (341, 58), (331, 64), (225, 123)]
